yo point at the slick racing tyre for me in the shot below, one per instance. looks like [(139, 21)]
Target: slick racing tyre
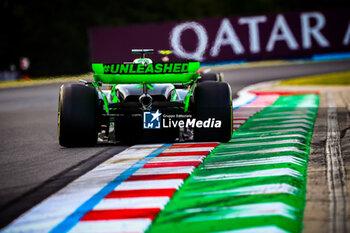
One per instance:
[(213, 103), (211, 76), (77, 115)]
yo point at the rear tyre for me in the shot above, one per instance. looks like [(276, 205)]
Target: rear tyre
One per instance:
[(212, 100), (77, 115), (211, 76)]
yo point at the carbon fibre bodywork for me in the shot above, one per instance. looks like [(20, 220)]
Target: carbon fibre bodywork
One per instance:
[(132, 93)]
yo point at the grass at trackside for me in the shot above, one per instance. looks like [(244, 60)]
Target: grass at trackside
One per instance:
[(341, 78), (46, 80)]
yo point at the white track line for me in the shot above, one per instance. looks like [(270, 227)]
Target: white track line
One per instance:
[(267, 137), (297, 112), (272, 150), (335, 171), (264, 229), (150, 184), (283, 126), (53, 210), (254, 162), (279, 131), (115, 226), (287, 141), (242, 211), (238, 121), (298, 121), (164, 170), (177, 150), (132, 203), (253, 190), (281, 118), (253, 174), (176, 159)]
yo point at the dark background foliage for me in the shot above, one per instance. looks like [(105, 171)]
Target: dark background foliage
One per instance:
[(54, 34)]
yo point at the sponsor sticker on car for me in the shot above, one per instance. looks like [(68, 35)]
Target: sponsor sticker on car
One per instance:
[(152, 120), (155, 120)]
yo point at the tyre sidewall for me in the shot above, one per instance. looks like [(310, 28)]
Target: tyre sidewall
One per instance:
[(213, 100), (78, 115)]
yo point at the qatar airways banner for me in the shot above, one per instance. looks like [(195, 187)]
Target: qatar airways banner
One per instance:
[(289, 35)]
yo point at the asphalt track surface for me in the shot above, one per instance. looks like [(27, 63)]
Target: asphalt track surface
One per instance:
[(239, 78), (33, 165)]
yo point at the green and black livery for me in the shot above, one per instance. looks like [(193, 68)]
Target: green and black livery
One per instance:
[(111, 107)]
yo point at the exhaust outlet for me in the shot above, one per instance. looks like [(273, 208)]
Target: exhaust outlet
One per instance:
[(146, 101)]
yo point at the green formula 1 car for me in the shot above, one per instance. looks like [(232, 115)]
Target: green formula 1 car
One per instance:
[(142, 101)]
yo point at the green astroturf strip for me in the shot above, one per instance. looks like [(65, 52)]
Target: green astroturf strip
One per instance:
[(256, 181)]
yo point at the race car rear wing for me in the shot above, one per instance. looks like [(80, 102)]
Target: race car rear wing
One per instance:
[(130, 73)]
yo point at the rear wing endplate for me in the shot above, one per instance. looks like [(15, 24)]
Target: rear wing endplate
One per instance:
[(130, 73)]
